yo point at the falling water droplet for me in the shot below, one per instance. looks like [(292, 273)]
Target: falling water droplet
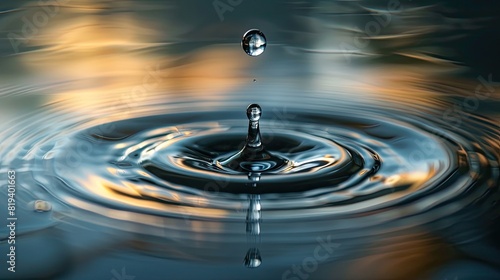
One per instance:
[(42, 206), (254, 42)]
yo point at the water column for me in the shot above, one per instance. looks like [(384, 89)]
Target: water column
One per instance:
[(254, 157)]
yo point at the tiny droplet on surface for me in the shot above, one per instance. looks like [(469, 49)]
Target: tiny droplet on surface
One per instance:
[(42, 206), (254, 42)]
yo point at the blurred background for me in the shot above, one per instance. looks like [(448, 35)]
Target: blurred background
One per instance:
[(85, 55), (69, 65)]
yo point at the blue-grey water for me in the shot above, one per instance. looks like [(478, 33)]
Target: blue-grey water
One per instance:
[(125, 125)]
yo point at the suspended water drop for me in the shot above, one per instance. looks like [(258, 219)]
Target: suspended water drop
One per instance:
[(254, 42)]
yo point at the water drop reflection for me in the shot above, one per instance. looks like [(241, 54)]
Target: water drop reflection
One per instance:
[(253, 258)]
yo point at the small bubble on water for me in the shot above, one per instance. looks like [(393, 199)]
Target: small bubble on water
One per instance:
[(42, 206), (254, 42)]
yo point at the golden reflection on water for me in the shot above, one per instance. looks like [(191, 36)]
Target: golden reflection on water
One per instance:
[(413, 256), (126, 194), (112, 62)]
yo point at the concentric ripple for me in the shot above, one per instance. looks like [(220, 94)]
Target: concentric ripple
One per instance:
[(336, 166)]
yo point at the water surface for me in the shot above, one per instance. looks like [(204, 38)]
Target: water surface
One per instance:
[(124, 116)]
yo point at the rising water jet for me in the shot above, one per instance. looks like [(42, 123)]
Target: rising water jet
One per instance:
[(254, 157)]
